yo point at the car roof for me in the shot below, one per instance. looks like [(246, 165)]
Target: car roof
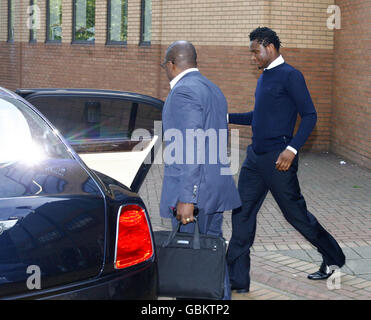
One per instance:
[(76, 91), (8, 93), (20, 94)]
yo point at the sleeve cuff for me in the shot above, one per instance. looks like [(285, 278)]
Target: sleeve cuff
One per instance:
[(292, 149)]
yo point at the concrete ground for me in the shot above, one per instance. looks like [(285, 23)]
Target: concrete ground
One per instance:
[(338, 194)]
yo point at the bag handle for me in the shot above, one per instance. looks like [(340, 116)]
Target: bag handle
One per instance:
[(196, 237)]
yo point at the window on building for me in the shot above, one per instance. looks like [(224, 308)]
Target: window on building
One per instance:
[(33, 20), (146, 17), (84, 21), (54, 21), (117, 21), (10, 20)]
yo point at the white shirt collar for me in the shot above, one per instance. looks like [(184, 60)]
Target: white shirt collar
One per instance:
[(181, 75), (275, 63)]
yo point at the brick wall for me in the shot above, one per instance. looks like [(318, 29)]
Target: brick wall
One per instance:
[(219, 29), (232, 70), (61, 65), (300, 23), (3, 21), (10, 65), (351, 129)]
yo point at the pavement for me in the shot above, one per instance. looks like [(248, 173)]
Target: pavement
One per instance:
[(338, 194)]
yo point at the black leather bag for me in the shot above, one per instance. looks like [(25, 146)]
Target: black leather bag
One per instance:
[(190, 265)]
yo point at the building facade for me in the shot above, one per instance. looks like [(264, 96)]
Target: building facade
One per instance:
[(119, 44)]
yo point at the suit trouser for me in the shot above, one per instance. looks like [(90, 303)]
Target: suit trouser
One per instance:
[(209, 224), (258, 176)]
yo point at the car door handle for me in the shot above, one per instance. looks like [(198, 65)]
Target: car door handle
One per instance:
[(15, 218)]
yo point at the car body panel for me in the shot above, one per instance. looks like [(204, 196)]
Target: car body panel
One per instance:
[(66, 222), (52, 215), (139, 283)]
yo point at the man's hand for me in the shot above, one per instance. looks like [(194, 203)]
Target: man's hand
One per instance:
[(184, 212), (284, 160)]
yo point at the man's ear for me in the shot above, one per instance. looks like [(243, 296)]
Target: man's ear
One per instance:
[(271, 48), (172, 65)]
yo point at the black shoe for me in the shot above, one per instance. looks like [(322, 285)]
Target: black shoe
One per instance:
[(323, 273), (240, 290)]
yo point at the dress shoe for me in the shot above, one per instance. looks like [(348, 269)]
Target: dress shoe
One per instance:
[(240, 290), (324, 272)]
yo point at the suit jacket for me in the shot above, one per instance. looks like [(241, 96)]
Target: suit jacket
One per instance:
[(196, 106)]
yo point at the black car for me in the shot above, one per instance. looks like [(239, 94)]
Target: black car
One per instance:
[(72, 225)]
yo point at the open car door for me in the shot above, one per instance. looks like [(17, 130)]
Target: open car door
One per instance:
[(103, 127)]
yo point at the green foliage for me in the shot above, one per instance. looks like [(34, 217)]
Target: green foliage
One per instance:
[(147, 21), (85, 26), (119, 20), (55, 20)]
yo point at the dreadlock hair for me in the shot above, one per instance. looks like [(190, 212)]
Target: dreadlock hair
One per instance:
[(265, 36)]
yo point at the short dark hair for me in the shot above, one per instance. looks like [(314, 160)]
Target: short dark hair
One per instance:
[(266, 36), (182, 53)]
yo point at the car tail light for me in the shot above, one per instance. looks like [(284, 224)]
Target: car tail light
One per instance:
[(133, 238)]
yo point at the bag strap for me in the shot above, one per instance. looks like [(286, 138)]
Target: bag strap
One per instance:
[(196, 237)]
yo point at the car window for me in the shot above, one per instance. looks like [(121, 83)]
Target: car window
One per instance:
[(25, 140), (79, 117), (24, 134), (98, 124), (146, 116)]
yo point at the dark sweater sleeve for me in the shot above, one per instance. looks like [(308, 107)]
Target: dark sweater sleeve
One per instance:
[(240, 118), (298, 91)]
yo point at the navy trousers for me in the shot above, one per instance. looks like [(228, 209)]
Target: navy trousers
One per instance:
[(258, 176), (209, 224)]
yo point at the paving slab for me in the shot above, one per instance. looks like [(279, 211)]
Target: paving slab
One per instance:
[(364, 251), (337, 195), (299, 254), (360, 266)]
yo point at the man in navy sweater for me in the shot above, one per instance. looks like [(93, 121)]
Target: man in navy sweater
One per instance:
[(272, 161)]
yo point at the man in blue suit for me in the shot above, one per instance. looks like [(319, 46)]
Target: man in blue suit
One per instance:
[(195, 111)]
